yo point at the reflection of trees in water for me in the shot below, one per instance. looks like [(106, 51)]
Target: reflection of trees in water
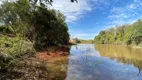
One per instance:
[(57, 69), (136, 63), (76, 46), (86, 58), (123, 54)]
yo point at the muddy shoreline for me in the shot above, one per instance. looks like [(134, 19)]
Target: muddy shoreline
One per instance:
[(35, 67)]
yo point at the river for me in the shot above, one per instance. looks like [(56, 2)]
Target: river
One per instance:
[(98, 62)]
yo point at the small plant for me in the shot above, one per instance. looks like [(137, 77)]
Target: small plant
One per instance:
[(12, 48)]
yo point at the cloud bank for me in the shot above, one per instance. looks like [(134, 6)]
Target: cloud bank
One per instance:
[(72, 11)]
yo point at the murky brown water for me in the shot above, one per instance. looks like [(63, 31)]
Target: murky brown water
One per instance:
[(98, 62)]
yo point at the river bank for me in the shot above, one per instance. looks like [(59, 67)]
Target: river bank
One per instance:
[(35, 66), (53, 52), (137, 46)]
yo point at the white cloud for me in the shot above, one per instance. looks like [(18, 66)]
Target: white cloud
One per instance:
[(75, 11), (1, 1), (83, 35), (126, 14), (72, 11), (132, 6)]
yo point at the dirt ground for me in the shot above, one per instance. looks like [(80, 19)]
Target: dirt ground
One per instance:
[(35, 66)]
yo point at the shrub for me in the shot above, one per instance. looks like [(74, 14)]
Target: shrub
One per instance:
[(13, 47)]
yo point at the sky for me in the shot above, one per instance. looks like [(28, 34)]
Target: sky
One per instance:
[(87, 18)]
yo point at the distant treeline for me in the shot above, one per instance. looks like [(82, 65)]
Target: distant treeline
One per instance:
[(126, 34), (76, 40)]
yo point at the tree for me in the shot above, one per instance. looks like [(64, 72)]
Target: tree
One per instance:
[(44, 27), (137, 32), (125, 34), (50, 28), (16, 16), (44, 2)]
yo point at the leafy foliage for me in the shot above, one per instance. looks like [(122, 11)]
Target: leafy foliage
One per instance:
[(50, 28), (12, 48), (25, 26), (44, 27), (84, 41), (126, 34)]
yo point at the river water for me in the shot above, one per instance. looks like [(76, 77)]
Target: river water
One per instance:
[(98, 62)]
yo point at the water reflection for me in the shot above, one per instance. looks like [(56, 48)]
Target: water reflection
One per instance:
[(57, 68), (99, 62), (123, 54)]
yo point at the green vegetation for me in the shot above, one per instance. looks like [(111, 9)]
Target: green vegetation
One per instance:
[(26, 27), (12, 49), (84, 41), (126, 34), (76, 41)]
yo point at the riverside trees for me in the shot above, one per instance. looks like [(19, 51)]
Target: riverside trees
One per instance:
[(26, 27), (43, 26), (126, 34)]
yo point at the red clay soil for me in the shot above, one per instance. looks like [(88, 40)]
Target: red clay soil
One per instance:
[(52, 52)]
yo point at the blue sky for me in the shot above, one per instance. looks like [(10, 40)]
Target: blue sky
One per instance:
[(86, 18)]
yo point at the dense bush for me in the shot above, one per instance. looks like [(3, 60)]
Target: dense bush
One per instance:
[(50, 28), (12, 48), (126, 34), (43, 26), (76, 40), (25, 26)]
